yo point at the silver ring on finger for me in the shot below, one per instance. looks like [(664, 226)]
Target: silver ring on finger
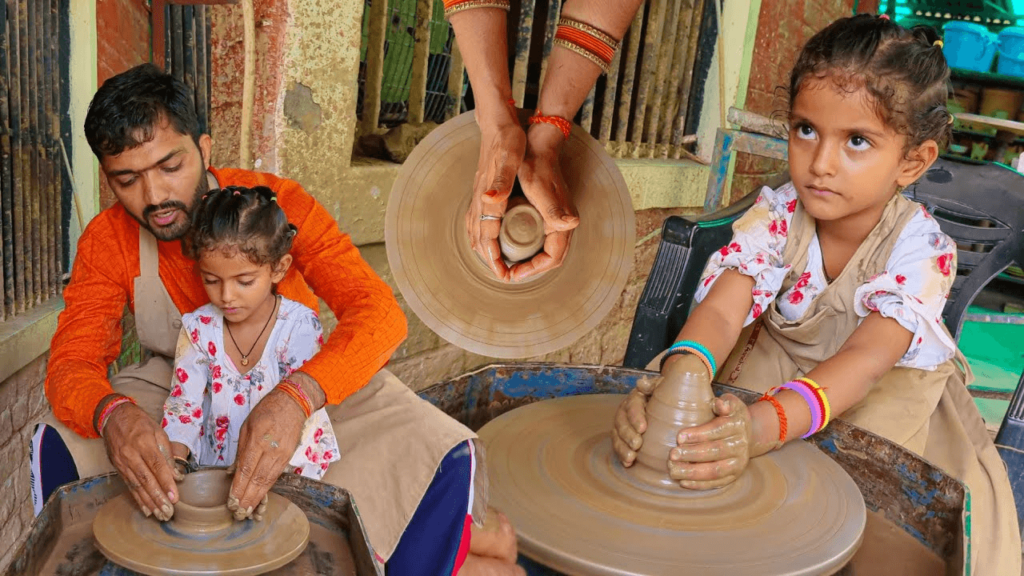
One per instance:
[(489, 217)]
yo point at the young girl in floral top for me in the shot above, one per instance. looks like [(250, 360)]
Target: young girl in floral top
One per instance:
[(233, 351), (829, 297)]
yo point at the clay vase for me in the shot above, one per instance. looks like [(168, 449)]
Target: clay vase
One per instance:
[(202, 503), (522, 231), (683, 399)]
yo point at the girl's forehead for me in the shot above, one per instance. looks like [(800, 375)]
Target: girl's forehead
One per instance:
[(227, 261), (840, 105)]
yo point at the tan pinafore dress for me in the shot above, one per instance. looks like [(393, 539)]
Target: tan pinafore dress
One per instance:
[(928, 412), (391, 441)]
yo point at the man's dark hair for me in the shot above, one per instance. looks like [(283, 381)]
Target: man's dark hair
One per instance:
[(128, 106)]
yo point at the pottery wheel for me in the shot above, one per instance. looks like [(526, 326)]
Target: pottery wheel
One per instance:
[(578, 510), (126, 537), (456, 295)]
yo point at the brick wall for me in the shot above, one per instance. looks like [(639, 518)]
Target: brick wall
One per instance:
[(122, 43), (783, 27), (23, 403)]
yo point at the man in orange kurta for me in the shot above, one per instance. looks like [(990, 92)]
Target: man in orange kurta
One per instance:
[(143, 129)]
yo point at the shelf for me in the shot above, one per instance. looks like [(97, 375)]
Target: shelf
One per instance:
[(987, 79)]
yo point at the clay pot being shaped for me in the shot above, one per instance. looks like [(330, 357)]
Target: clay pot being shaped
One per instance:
[(683, 399), (522, 231), (202, 503)]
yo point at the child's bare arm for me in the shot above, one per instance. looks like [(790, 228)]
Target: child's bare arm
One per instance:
[(718, 320)]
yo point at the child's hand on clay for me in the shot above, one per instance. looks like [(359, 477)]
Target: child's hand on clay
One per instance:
[(631, 417), (714, 454)]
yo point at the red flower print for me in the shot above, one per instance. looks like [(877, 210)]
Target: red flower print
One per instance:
[(205, 319), (710, 279), (773, 228), (217, 386), (796, 297), (920, 339), (222, 421), (901, 279), (221, 434), (182, 375), (734, 247), (324, 466), (195, 335), (803, 281), (944, 262), (783, 228), (791, 206), (163, 423), (328, 455), (320, 339), (756, 292), (215, 371), (297, 471), (759, 259), (318, 434), (756, 312), (239, 399), (309, 453), (212, 349), (197, 413), (176, 391), (259, 388), (185, 419), (314, 458), (724, 251)]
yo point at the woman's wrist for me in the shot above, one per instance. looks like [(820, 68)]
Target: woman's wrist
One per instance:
[(543, 138)]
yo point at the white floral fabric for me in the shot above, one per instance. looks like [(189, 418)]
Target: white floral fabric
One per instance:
[(210, 398), (912, 289)]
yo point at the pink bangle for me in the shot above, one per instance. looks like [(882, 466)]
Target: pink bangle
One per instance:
[(101, 422)]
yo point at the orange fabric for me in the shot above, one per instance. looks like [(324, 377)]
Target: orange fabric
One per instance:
[(88, 337)]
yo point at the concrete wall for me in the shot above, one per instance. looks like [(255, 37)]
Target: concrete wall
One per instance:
[(21, 403)]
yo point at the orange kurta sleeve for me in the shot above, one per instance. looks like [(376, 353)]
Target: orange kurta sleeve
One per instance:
[(88, 336), (370, 323)]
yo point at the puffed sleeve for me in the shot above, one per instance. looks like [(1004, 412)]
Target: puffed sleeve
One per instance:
[(183, 410), (913, 290), (755, 250)]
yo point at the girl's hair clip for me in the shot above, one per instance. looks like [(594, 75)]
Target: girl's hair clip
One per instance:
[(236, 193), (883, 16), (273, 198), (951, 118), (938, 43)]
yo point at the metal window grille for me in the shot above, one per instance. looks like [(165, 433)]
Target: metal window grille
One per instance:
[(412, 70), (187, 33), (34, 187)]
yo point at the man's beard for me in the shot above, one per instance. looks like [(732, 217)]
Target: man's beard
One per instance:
[(178, 229)]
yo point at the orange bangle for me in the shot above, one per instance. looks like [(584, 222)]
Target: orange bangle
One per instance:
[(295, 393), (455, 6), (587, 41), (561, 123), (783, 423)]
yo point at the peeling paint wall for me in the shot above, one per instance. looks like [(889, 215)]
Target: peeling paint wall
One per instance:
[(304, 129)]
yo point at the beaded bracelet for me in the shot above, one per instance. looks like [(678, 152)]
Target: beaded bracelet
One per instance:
[(101, 422), (587, 41), (814, 397), (700, 351), (295, 392), (783, 422), (456, 6), (822, 398), (557, 121)]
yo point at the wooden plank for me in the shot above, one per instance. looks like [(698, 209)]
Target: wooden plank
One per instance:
[(682, 44), (6, 167), (39, 184), (626, 95), (202, 47), (522, 51), (611, 86), (554, 9), (679, 128), (56, 160), (456, 75), (652, 45), (420, 61), (374, 66), (997, 123), (177, 67), (666, 53), (18, 152)]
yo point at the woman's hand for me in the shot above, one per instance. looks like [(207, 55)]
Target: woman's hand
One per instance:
[(713, 454)]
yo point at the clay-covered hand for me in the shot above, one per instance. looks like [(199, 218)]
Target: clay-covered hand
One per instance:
[(502, 145), (140, 451), (266, 441), (713, 454), (541, 178), (631, 420)]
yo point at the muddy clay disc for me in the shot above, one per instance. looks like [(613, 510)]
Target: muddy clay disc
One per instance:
[(576, 509), (146, 545), (451, 289)]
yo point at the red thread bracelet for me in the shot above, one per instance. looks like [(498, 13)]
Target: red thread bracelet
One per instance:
[(781, 412), (561, 123)]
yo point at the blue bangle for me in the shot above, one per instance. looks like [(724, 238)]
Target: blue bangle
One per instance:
[(699, 348)]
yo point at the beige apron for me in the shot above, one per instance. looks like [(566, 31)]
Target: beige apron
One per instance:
[(930, 413), (391, 441)]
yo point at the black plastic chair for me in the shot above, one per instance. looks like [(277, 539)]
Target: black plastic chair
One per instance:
[(981, 206)]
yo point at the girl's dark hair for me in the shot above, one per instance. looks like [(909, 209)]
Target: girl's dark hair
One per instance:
[(903, 69), (244, 219)]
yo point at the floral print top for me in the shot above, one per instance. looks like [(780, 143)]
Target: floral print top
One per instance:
[(210, 398), (913, 289)]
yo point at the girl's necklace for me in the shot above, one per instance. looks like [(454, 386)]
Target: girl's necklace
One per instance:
[(245, 356)]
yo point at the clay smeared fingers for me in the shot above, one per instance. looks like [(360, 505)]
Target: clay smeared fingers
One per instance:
[(625, 454), (646, 385), (141, 497), (163, 467), (627, 430), (707, 485), (261, 480), (731, 447), (706, 471), (556, 245), (490, 251), (728, 404), (636, 411), (720, 428)]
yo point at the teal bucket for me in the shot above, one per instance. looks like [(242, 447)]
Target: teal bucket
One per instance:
[(969, 46), (1011, 52)]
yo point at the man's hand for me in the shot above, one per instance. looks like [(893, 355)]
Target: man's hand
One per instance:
[(714, 454), (140, 451), (266, 442)]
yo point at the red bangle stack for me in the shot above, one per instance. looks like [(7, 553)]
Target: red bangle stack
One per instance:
[(453, 6), (295, 392), (101, 422), (587, 41)]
